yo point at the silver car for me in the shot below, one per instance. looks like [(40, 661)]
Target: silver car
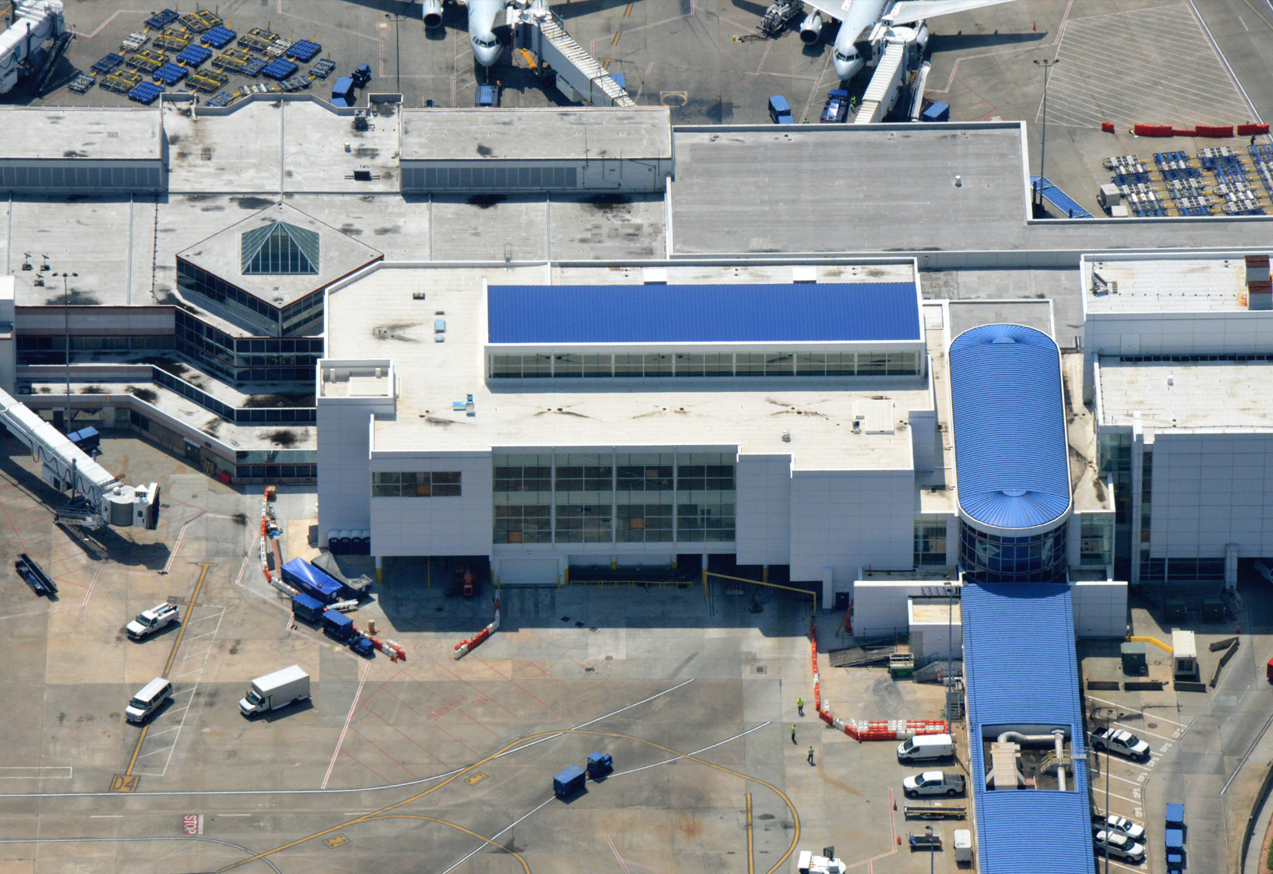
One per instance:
[(1121, 847)]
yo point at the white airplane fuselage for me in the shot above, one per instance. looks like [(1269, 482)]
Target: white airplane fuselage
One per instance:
[(859, 17), (482, 16)]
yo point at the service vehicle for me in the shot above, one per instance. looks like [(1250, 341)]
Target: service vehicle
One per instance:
[(150, 621), (1119, 825), (836, 110), (275, 690), (569, 781), (1120, 741), (925, 746), (148, 700), (780, 110), (1121, 847), (934, 783)]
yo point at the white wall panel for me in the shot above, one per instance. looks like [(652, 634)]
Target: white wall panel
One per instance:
[(1100, 609), (763, 507), (435, 526), (850, 519)]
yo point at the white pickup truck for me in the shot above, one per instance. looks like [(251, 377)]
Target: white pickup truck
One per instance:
[(934, 783), (150, 621), (1121, 742)]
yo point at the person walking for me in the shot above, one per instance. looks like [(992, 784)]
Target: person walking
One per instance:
[(810, 755), (793, 733), (800, 706)]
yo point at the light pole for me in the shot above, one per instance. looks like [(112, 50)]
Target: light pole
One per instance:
[(397, 55), (1043, 148), (66, 327)]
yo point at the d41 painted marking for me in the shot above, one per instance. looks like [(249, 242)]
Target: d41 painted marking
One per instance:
[(475, 778), (125, 783), (338, 841)]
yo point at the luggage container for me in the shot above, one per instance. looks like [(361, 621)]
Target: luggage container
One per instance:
[(569, 781), (780, 110), (337, 624), (308, 608)]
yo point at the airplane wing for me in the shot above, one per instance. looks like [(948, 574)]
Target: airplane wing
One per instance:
[(910, 11), (829, 9)]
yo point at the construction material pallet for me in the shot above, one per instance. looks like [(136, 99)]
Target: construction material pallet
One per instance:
[(279, 48), (296, 83), (147, 60), (303, 51), (279, 69), (122, 82), (81, 83), (146, 93), (225, 98), (232, 60), (218, 37), (134, 41), (323, 69), (173, 40), (170, 74), (194, 56), (108, 64), (257, 39), (207, 81), (201, 21), (160, 20)]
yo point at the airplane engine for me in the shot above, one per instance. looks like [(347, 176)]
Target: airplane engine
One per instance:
[(432, 13), (921, 38), (811, 28)]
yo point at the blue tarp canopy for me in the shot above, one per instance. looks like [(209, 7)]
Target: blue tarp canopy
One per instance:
[(304, 576)]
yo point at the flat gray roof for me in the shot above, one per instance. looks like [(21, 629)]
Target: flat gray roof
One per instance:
[(536, 133), (379, 317), (1165, 285), (102, 134), (338, 255), (1184, 394), (891, 189)]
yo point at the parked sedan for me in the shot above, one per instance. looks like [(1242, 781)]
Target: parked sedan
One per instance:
[(1119, 825), (1121, 847)]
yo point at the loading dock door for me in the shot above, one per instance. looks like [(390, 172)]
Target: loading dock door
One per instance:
[(528, 572)]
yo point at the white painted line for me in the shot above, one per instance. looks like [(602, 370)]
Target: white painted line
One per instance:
[(1139, 730), (106, 816), (158, 733), (229, 814), (1135, 801), (1094, 779), (1124, 867), (1141, 712), (192, 690), (38, 772), (353, 705), (204, 619), (484, 845), (694, 753), (152, 752), (630, 706)]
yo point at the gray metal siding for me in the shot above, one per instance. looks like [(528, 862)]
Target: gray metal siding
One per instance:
[(39, 177)]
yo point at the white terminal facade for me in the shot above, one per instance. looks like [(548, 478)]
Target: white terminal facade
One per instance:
[(554, 419)]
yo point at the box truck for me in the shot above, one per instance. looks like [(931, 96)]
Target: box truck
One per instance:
[(275, 690)]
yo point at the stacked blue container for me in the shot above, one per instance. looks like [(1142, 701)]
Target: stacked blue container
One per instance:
[(170, 74), (1174, 838), (219, 37), (279, 69), (303, 51), (193, 56)]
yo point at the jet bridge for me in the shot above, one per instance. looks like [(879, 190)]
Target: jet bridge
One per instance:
[(34, 22), (105, 500), (881, 93), (579, 76)]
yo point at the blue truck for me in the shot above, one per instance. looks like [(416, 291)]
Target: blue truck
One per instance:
[(780, 110)]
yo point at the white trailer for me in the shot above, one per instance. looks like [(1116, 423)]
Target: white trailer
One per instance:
[(1184, 655)]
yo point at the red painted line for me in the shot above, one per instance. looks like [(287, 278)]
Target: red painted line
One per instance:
[(579, 663), (404, 734), (548, 675), (479, 691), (382, 752), (368, 767), (518, 685), (425, 685), (617, 856), (479, 723), (378, 688), (404, 704), (454, 738)]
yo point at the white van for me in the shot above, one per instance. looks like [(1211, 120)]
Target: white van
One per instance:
[(924, 747), (148, 700)]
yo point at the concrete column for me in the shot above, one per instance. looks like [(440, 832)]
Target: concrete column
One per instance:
[(380, 571)]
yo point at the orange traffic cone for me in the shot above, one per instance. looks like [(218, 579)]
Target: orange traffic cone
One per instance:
[(1034, 27)]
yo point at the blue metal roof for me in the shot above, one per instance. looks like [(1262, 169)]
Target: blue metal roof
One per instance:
[(804, 313), (1011, 457), (1020, 668)]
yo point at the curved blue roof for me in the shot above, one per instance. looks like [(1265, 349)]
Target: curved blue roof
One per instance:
[(800, 313), (1011, 456)]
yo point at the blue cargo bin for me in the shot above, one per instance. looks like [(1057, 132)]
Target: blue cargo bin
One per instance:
[(307, 608), (936, 112), (337, 624), (569, 781)]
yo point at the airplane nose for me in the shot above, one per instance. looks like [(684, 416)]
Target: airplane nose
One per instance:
[(847, 69), (486, 55)]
